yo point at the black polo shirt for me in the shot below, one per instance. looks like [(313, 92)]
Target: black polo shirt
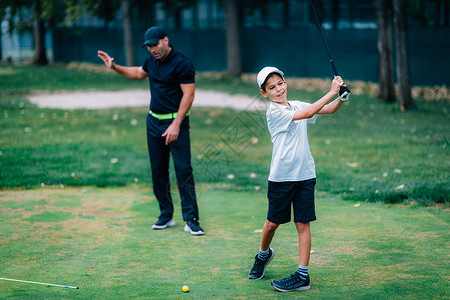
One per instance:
[(165, 78)]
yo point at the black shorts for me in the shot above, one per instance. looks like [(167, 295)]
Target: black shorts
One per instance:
[(299, 193)]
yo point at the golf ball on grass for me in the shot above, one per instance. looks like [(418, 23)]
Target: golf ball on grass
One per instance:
[(185, 288)]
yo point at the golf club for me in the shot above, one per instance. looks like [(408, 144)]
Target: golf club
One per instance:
[(48, 284), (344, 91)]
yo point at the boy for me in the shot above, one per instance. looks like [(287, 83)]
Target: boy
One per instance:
[(292, 172)]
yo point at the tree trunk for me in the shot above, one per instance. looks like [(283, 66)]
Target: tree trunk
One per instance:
[(233, 39), (194, 17), (127, 32), (286, 10), (401, 33), (437, 14), (446, 14), (40, 57), (335, 13), (385, 56), (320, 11), (1, 58), (177, 18)]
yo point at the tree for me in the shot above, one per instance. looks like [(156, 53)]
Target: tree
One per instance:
[(175, 8), (233, 23), (127, 32), (40, 56), (106, 10), (234, 64), (385, 55), (20, 18), (34, 16), (401, 35), (50, 14), (286, 11), (0, 44), (385, 10)]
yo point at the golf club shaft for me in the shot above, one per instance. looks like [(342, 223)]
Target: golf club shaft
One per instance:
[(343, 91), (43, 283), (323, 39)]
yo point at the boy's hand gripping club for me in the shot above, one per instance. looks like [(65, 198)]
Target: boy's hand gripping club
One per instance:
[(344, 92)]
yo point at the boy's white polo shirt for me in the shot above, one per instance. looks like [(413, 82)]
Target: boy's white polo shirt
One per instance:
[(291, 156)]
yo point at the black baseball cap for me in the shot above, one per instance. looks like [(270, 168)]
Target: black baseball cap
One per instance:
[(153, 35)]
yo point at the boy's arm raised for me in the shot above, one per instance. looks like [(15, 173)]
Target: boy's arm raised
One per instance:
[(331, 107), (317, 106)]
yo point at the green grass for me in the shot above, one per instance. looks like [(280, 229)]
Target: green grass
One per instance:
[(367, 151), (65, 219), (27, 78), (101, 241)]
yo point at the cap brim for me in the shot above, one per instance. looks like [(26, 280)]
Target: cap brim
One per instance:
[(150, 42)]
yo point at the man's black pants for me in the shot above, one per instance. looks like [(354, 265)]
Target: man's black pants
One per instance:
[(159, 159)]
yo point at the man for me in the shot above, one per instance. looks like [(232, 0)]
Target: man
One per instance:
[(172, 85)]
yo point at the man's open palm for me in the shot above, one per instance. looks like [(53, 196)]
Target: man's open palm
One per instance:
[(106, 59)]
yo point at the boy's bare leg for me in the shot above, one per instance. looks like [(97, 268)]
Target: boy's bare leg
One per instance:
[(298, 281), (304, 242), (267, 234), (265, 254)]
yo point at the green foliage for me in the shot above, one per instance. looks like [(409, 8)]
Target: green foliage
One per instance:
[(427, 13), (19, 14), (367, 151), (104, 9)]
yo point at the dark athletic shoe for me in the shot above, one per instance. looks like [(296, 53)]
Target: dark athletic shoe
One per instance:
[(257, 272), (194, 228), (293, 283), (164, 222)]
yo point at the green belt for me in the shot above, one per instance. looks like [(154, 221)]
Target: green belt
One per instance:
[(166, 116)]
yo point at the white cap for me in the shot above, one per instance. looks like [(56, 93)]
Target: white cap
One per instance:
[(262, 75)]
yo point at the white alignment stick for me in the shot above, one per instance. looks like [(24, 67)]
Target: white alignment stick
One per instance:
[(43, 283)]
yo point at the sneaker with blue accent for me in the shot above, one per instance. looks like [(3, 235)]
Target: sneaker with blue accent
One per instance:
[(293, 283), (257, 271)]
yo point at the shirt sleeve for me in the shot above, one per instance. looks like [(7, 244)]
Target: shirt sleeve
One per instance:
[(313, 119), (186, 72), (145, 66)]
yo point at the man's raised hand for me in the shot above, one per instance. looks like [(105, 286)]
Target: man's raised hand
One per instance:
[(109, 62)]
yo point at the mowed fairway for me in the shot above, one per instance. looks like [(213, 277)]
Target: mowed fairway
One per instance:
[(76, 205), (101, 241)]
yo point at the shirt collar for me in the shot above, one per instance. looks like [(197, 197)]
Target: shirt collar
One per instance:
[(169, 56), (280, 106)]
